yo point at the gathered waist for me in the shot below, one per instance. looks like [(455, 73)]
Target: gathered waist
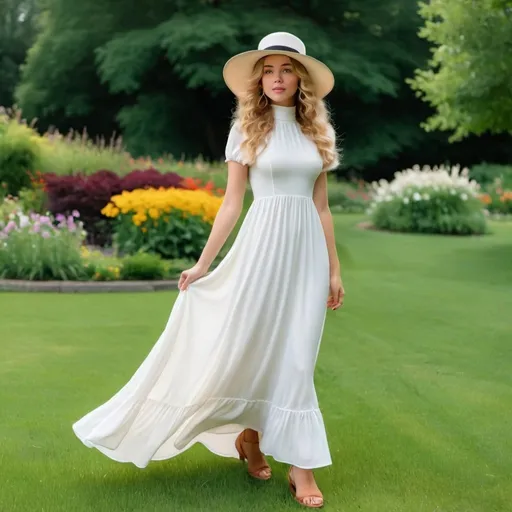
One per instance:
[(283, 196)]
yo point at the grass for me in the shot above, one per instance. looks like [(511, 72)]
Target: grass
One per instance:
[(413, 378)]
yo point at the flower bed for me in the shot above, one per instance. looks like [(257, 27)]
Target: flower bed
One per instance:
[(429, 200), (174, 223), (497, 200), (40, 247), (37, 247), (41, 236), (89, 194)]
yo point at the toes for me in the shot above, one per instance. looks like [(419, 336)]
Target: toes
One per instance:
[(265, 473), (312, 500)]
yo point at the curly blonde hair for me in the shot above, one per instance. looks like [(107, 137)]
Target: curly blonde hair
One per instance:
[(255, 118)]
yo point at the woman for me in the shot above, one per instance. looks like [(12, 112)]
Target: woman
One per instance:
[(234, 366)]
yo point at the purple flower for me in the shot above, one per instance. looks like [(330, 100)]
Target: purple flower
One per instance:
[(75, 213), (45, 234), (60, 218), (33, 217), (44, 219), (10, 226), (36, 227)]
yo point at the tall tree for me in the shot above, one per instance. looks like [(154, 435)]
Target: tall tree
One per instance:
[(17, 32), (155, 68), (469, 77)]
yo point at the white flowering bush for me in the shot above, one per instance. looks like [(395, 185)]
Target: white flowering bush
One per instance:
[(428, 200), (41, 247)]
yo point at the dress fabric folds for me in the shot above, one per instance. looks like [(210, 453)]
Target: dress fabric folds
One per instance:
[(240, 345)]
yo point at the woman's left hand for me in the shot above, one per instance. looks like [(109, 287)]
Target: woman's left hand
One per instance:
[(337, 293)]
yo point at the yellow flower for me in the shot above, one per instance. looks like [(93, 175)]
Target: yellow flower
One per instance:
[(157, 202)]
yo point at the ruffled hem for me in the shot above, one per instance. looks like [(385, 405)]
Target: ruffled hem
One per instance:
[(141, 431)]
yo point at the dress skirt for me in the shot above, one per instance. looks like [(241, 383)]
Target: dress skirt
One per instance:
[(238, 351)]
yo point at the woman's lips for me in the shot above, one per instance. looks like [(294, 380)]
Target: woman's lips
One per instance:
[(278, 89)]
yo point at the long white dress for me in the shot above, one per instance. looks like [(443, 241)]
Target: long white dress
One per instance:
[(240, 345)]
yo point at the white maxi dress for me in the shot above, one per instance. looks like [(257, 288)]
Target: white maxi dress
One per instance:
[(240, 345)]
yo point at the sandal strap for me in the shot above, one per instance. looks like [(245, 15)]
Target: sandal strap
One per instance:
[(250, 442), (301, 498)]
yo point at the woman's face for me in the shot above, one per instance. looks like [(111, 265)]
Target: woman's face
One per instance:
[(279, 82)]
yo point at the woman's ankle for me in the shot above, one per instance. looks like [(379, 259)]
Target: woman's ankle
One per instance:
[(304, 472), (251, 436)]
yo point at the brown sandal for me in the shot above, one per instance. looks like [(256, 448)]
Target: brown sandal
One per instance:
[(300, 500), (240, 449)]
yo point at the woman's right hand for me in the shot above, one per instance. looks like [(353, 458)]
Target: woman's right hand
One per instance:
[(187, 277)]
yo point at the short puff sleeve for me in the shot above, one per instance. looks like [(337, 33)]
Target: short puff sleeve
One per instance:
[(233, 145), (336, 162)]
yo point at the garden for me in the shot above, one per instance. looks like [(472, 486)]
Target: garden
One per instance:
[(74, 209), (413, 375), (81, 220)]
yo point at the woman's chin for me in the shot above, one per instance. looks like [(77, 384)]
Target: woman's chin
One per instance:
[(281, 100)]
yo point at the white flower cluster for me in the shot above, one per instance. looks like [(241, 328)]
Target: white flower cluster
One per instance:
[(414, 184)]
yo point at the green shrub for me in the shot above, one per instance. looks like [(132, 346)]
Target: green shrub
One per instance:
[(9, 207), (18, 156), (142, 266), (429, 201), (3, 191), (33, 200), (441, 213), (487, 174), (348, 197), (173, 268), (172, 237), (100, 267)]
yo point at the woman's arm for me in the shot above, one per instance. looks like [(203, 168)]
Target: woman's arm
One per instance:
[(321, 200), (224, 222)]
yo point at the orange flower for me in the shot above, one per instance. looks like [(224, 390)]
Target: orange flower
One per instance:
[(507, 196), (189, 183), (486, 198)]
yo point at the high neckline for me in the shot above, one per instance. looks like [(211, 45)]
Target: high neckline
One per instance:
[(284, 113)]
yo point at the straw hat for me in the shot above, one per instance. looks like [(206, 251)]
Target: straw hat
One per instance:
[(238, 69)]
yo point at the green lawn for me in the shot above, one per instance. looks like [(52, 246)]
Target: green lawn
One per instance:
[(414, 379)]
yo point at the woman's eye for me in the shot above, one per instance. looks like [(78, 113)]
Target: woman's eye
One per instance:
[(268, 71)]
